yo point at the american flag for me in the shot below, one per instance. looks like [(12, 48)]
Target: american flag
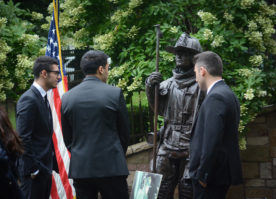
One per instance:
[(61, 186)]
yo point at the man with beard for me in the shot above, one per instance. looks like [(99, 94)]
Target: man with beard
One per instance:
[(179, 99)]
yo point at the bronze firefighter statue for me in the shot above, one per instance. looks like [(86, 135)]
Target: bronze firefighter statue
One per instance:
[(178, 101)]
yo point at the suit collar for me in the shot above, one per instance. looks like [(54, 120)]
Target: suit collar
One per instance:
[(221, 82), (92, 78), (36, 91), (211, 86), (40, 89)]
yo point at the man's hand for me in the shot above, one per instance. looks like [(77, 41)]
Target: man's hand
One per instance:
[(155, 78), (204, 185), (34, 174)]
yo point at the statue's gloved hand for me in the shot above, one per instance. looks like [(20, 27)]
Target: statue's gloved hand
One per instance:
[(155, 78)]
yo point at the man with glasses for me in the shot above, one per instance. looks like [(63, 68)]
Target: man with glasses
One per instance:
[(35, 128)]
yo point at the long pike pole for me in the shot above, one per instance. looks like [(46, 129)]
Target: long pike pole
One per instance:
[(156, 93)]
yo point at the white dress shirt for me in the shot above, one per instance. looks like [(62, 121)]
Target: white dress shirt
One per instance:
[(213, 84), (40, 89)]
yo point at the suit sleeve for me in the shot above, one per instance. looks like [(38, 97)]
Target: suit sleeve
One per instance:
[(214, 115), (66, 127), (25, 121), (123, 122)]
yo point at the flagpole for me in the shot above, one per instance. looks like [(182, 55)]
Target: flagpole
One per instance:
[(62, 187), (55, 3)]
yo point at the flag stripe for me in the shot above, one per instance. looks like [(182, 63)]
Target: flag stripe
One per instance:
[(61, 185), (62, 171), (54, 192), (60, 190), (57, 104)]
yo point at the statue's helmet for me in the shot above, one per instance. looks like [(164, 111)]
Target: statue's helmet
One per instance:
[(185, 43)]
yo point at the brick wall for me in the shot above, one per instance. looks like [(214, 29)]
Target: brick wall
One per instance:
[(258, 160)]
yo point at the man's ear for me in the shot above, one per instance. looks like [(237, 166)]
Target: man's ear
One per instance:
[(101, 69), (202, 71), (43, 73)]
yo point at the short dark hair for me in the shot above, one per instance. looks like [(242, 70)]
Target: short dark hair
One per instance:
[(211, 61), (92, 60), (43, 63)]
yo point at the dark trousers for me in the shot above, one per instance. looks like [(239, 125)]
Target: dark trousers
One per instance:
[(108, 187), (210, 192), (40, 187)]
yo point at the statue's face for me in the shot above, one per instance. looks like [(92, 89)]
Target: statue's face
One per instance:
[(184, 59)]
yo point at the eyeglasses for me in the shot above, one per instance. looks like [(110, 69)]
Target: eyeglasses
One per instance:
[(53, 71)]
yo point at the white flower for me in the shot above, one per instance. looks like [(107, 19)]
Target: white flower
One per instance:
[(174, 29), (3, 57), (118, 71), (256, 60), (113, 1), (256, 38), (37, 16), (246, 4), (103, 42), (133, 32), (135, 84), (217, 42), (242, 141), (249, 95), (119, 15), (122, 83), (208, 34), (207, 17), (2, 96), (252, 26), (29, 39), (9, 85), (134, 3), (243, 110), (262, 93), (268, 10), (3, 22), (245, 72), (228, 16)]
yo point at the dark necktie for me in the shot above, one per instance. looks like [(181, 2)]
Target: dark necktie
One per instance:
[(49, 110)]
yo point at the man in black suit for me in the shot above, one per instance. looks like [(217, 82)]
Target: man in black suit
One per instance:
[(96, 131), (35, 127), (214, 151)]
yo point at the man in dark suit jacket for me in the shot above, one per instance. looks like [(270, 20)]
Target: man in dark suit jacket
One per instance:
[(35, 127), (214, 152), (96, 131)]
